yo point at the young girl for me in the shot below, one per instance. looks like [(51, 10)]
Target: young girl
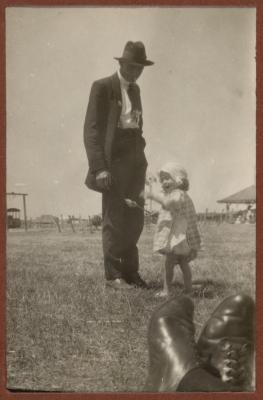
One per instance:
[(177, 236)]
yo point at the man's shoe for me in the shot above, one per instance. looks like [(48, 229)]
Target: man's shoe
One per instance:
[(172, 349), (226, 343), (137, 281), (118, 284)]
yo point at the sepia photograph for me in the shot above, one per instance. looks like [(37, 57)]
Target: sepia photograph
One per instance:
[(130, 199)]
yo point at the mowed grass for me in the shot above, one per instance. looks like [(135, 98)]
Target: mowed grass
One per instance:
[(67, 332)]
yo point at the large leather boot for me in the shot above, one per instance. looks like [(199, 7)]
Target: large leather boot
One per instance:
[(172, 349), (226, 343)]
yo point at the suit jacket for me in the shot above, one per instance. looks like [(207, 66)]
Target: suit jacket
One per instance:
[(103, 112)]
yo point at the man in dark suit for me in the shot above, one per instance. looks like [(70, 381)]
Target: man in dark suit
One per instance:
[(117, 164)]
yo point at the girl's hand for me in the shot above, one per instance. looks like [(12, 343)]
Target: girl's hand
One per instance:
[(145, 194), (150, 178)]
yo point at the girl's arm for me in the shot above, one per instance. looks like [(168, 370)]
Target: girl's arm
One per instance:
[(166, 203)]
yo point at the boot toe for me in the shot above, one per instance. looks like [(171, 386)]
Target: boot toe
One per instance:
[(172, 349)]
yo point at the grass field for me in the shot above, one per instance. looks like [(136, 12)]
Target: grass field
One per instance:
[(66, 332)]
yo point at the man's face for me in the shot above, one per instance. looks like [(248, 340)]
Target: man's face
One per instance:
[(130, 72)]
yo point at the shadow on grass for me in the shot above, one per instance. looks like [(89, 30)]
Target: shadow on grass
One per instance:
[(203, 288), (208, 288)]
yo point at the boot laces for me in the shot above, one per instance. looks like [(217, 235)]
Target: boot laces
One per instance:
[(235, 367)]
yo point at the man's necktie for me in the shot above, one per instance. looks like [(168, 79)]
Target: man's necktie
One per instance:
[(134, 96)]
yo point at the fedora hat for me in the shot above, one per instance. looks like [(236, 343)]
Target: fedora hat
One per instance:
[(134, 53)]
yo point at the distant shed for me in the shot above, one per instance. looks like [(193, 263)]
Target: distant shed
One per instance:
[(13, 218), (45, 220)]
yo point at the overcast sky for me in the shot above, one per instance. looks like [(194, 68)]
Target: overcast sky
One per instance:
[(198, 98)]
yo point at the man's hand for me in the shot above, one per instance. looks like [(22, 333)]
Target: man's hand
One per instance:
[(103, 179), (131, 203)]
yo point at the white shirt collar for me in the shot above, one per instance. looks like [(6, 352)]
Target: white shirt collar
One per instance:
[(122, 80)]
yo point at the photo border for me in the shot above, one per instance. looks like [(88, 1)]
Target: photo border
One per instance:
[(6, 394)]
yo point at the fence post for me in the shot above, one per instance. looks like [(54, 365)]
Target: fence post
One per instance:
[(70, 219), (206, 214), (56, 220)]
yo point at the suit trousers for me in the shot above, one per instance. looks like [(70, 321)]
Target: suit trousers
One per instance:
[(122, 225)]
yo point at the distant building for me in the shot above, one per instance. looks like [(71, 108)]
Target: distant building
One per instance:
[(245, 196), (45, 220)]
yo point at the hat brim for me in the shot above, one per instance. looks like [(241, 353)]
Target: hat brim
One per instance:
[(144, 63)]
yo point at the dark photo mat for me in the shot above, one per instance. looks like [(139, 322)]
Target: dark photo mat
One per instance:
[(7, 394)]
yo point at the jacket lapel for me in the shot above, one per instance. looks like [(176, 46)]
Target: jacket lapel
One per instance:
[(114, 115), (116, 88)]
